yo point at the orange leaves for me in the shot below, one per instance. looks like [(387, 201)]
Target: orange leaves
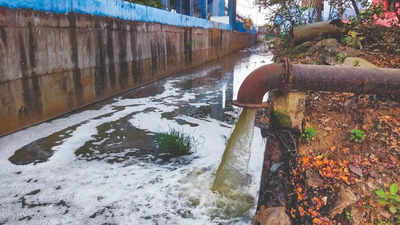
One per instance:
[(318, 203), (301, 211), (321, 221), (299, 191), (305, 161), (328, 168)]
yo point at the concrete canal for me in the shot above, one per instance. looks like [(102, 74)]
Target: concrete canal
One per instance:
[(100, 165)]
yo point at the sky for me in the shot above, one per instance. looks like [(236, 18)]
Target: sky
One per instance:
[(247, 8)]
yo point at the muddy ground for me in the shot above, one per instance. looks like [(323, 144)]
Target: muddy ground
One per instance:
[(335, 176)]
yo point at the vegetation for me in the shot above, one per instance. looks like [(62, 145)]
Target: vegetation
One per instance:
[(175, 142), (151, 3), (390, 199), (357, 135), (309, 134), (327, 176), (280, 119), (248, 23), (353, 39), (361, 32)]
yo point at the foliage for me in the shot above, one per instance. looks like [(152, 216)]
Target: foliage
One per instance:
[(151, 3), (309, 134), (366, 17), (357, 135), (348, 215), (248, 23), (382, 222), (390, 199), (285, 15), (353, 39), (371, 36), (175, 142)]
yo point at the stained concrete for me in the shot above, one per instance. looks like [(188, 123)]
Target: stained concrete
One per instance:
[(51, 64)]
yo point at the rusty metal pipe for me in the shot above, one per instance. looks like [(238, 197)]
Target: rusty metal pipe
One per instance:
[(300, 77)]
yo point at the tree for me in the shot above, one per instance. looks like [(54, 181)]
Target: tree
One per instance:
[(247, 23), (151, 3), (286, 14)]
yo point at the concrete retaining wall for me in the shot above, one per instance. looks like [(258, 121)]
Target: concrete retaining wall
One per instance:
[(51, 64)]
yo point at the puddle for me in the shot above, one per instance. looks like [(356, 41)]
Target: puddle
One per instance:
[(100, 165)]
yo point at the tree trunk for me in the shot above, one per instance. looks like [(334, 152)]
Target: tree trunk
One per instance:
[(318, 5), (354, 3), (340, 8), (317, 30)]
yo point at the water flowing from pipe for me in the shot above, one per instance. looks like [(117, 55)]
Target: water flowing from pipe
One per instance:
[(232, 180)]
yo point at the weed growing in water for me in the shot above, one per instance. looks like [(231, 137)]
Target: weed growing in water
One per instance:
[(357, 135), (175, 142), (309, 134)]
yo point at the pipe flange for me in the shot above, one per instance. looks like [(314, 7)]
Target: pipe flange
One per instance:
[(287, 75), (251, 105)]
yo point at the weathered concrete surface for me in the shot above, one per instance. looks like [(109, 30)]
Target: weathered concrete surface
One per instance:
[(51, 64), (289, 108), (287, 117)]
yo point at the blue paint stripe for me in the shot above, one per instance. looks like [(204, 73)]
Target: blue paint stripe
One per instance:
[(114, 8)]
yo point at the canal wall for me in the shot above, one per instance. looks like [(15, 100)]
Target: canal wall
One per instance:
[(55, 59)]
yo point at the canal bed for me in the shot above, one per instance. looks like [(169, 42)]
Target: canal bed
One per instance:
[(100, 165)]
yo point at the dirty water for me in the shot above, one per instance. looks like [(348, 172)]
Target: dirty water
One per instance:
[(232, 179), (101, 165)]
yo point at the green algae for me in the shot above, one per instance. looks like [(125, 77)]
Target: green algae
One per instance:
[(281, 119)]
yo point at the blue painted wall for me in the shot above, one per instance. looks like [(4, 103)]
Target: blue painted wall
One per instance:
[(204, 6), (221, 7), (114, 8), (217, 7)]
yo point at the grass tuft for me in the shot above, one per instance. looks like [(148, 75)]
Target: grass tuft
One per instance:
[(175, 142), (309, 134), (357, 135)]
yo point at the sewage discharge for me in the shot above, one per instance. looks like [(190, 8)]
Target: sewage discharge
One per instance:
[(232, 180)]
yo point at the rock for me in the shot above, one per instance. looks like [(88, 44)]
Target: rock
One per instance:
[(329, 45), (273, 216), (346, 198), (313, 179), (358, 62), (303, 47), (330, 50)]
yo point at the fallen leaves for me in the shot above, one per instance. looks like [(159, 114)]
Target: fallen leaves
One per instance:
[(333, 161), (391, 133), (334, 170)]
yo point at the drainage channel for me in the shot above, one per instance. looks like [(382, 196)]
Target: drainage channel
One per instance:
[(100, 165)]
